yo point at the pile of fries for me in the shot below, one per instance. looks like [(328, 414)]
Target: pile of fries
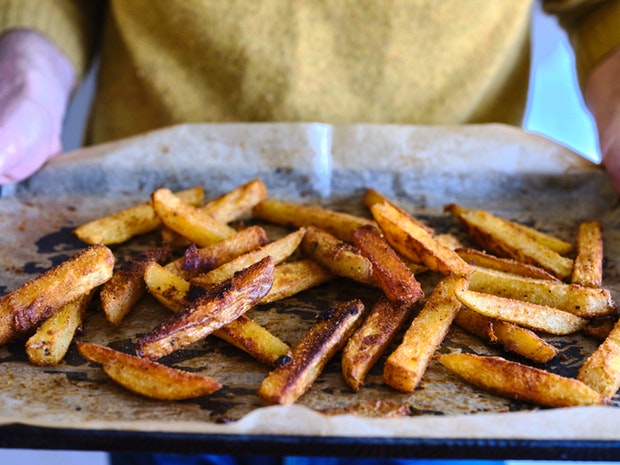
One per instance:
[(511, 287)]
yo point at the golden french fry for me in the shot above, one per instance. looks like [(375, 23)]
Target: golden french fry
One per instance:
[(296, 276), (148, 378), (507, 265), (49, 344), (120, 294), (513, 338), (370, 341), (294, 376), (296, 215), (585, 302), (236, 203), (414, 243), (372, 196), (601, 370), (405, 367), (279, 250), (338, 256), (388, 270), (534, 316), (188, 221), (521, 382), (24, 308), (219, 306), (197, 260), (129, 222), (588, 269)]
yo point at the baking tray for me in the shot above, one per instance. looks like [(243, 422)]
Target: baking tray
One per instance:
[(503, 169)]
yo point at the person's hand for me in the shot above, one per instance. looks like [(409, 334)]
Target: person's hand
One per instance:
[(36, 81), (602, 96)]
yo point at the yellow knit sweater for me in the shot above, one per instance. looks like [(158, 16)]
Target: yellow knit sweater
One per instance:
[(392, 61)]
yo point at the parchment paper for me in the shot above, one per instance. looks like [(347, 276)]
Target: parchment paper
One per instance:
[(519, 175)]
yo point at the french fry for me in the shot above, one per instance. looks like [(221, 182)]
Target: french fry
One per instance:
[(24, 308), (175, 294), (148, 378), (585, 302), (601, 370), (49, 344), (588, 269), (236, 203), (297, 215), (126, 287), (372, 196), (505, 240), (507, 265), (534, 316), (336, 255), (296, 276), (517, 381), (600, 328), (129, 222), (415, 244), (405, 367), (216, 308), (289, 381), (511, 337), (279, 250), (197, 260), (370, 341), (188, 221)]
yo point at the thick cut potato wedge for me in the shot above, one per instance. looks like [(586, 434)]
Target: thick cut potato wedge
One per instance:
[(24, 308), (49, 345), (601, 370), (511, 337), (371, 340), (388, 271), (190, 222), (405, 367), (507, 265), (534, 316), (588, 269), (126, 287), (148, 378), (521, 382), (294, 376), (296, 215), (216, 308), (372, 196), (415, 244), (296, 276), (237, 203), (582, 301), (129, 222)]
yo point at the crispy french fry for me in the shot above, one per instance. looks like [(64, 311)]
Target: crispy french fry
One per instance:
[(24, 308), (513, 338), (49, 344), (370, 341), (601, 370), (372, 196), (121, 293), (279, 250), (129, 222), (296, 276), (507, 265), (236, 203), (175, 294), (415, 244), (289, 381), (505, 240), (216, 308), (197, 261), (148, 378), (588, 269), (534, 316), (296, 215), (585, 302), (405, 367), (521, 382), (188, 221)]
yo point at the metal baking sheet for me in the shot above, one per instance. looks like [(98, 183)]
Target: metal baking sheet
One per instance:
[(505, 170)]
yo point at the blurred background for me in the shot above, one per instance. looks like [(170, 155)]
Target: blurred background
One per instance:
[(555, 110)]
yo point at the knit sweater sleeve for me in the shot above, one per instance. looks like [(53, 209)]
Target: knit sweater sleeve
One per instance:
[(73, 25), (593, 28)]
